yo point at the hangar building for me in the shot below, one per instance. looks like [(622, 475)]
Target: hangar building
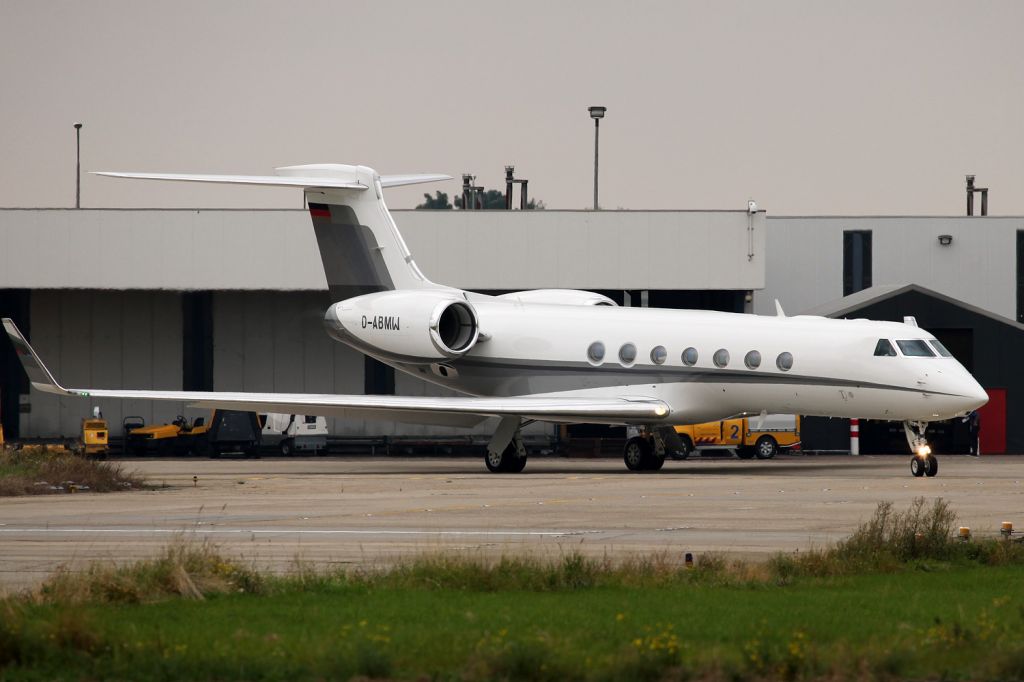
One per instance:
[(232, 299)]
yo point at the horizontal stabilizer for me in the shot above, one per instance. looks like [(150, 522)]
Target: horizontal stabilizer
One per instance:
[(267, 180), (312, 176), (415, 409)]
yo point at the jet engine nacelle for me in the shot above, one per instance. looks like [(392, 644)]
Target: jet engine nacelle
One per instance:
[(424, 325)]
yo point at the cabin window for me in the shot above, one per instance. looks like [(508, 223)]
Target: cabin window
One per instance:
[(690, 357), (915, 348), (784, 361), (943, 351), (627, 354), (596, 352), (721, 357), (884, 349), (659, 355), (752, 359)]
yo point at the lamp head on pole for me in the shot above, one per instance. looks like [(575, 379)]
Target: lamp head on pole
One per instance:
[(78, 126), (597, 112)]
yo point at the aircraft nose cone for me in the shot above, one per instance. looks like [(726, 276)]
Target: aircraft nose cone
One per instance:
[(977, 395)]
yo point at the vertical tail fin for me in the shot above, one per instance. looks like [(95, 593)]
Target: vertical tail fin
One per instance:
[(360, 245)]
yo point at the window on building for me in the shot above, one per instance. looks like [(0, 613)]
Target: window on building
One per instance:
[(856, 261), (915, 348), (197, 341), (1020, 275), (884, 349)]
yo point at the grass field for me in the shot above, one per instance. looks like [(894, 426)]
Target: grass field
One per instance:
[(878, 606)]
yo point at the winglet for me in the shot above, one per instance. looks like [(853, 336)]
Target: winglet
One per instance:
[(34, 367), (778, 309)]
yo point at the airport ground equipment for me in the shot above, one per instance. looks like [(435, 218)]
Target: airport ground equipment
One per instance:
[(95, 437), (230, 432), (750, 437), (221, 432), (293, 433)]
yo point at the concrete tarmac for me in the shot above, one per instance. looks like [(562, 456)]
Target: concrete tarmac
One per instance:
[(278, 513)]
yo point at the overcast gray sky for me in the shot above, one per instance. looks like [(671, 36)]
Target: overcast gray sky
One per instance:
[(809, 107)]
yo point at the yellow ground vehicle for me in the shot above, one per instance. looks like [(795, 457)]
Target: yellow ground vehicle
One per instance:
[(221, 432), (95, 437), (161, 439), (750, 437)]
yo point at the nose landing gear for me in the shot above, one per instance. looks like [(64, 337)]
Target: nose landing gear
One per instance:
[(923, 463)]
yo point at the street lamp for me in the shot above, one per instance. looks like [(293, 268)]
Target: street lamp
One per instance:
[(596, 113), (78, 165)]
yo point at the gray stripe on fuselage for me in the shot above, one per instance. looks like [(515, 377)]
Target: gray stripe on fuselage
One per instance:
[(639, 375)]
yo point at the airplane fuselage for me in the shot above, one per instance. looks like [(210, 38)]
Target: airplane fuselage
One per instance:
[(540, 349)]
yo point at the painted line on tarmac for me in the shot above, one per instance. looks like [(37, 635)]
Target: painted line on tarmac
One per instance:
[(298, 531)]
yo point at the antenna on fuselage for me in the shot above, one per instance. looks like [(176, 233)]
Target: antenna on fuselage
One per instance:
[(779, 312)]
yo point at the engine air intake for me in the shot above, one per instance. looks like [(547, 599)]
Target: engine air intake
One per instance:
[(455, 330)]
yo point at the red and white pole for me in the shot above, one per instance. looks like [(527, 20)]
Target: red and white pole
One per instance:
[(854, 436)]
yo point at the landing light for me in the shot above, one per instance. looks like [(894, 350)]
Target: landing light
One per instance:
[(660, 411), (923, 451)]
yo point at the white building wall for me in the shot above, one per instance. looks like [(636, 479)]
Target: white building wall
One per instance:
[(805, 259), (180, 249)]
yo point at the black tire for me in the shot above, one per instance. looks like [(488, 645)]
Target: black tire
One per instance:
[(684, 450), (515, 464), (917, 467), (287, 447), (654, 463), (636, 453), (766, 447), (931, 466), (745, 453)]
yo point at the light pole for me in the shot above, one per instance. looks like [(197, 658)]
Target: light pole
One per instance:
[(78, 165), (596, 113)]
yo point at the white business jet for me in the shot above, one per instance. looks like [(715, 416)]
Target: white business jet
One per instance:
[(570, 356)]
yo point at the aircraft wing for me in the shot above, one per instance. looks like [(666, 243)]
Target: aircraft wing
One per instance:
[(461, 411)]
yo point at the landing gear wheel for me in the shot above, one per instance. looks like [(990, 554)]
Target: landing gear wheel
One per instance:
[(684, 448), (654, 463), (766, 447), (506, 462), (931, 466), (636, 453), (917, 467)]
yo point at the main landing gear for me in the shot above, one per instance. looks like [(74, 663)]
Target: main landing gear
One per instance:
[(646, 451), (506, 453), (923, 463)]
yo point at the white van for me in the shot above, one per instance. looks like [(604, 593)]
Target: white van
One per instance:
[(293, 433)]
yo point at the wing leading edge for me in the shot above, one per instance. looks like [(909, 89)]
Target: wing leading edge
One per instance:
[(464, 411)]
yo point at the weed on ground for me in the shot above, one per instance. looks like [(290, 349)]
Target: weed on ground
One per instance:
[(45, 470)]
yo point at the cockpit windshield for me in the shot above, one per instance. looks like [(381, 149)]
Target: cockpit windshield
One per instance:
[(915, 348), (884, 349), (943, 351)]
